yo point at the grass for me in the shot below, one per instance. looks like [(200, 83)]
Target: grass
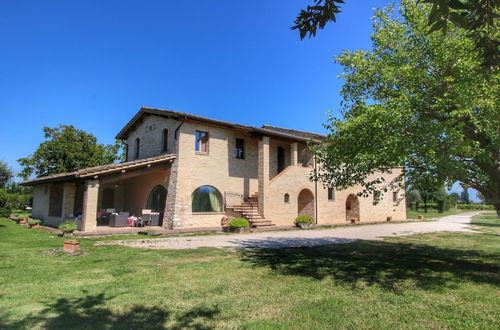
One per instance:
[(439, 280), (431, 213)]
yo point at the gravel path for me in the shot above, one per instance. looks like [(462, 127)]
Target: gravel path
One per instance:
[(280, 239)]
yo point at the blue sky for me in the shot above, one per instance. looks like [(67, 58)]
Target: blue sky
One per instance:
[(92, 64)]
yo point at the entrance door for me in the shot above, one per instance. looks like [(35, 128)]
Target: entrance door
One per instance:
[(305, 203), (281, 159), (156, 201), (352, 208)]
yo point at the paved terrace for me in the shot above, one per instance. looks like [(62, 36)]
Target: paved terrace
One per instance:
[(281, 239)]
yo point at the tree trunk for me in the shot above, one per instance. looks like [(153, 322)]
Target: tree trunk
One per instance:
[(497, 208), (425, 205)]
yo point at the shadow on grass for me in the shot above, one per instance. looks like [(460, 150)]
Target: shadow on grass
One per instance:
[(384, 264), (486, 224), (89, 312)]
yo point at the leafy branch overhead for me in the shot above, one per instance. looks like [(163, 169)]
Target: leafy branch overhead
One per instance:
[(478, 17)]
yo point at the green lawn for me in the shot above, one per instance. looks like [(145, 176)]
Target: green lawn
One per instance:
[(431, 213), (443, 280)]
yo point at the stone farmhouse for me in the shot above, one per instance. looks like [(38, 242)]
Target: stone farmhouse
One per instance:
[(193, 171)]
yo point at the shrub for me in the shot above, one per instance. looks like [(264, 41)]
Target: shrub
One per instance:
[(239, 223), (33, 222), (5, 208), (303, 219), (68, 226)]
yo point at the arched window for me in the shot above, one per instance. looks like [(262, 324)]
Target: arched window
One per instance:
[(287, 198), (206, 199), (164, 140), (137, 143)]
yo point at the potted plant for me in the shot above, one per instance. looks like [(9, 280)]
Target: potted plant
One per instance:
[(23, 221), (420, 217), (238, 225), (304, 222), (34, 223), (71, 246), (68, 227)]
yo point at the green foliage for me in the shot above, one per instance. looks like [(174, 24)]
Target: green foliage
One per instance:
[(6, 174), (474, 207), (416, 99), (477, 17), (413, 198), (239, 223), (303, 219), (67, 149), (16, 188), (453, 198), (33, 222), (68, 226), (5, 208)]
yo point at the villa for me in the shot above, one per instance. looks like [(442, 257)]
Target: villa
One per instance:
[(191, 171)]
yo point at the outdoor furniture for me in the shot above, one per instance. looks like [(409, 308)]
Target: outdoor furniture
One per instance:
[(118, 220), (150, 218)]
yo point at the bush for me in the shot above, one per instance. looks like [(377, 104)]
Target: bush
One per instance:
[(5, 208), (33, 222), (68, 227), (303, 219), (239, 223), (475, 207)]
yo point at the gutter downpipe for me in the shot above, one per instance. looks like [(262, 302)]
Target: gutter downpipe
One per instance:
[(176, 134)]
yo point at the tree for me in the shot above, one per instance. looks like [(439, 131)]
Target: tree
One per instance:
[(454, 198), (6, 174), (464, 197), (416, 99), (477, 17), (67, 149), (413, 198)]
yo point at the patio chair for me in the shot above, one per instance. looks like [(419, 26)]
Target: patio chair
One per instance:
[(119, 220)]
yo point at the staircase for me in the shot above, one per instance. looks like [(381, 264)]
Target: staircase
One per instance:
[(250, 210)]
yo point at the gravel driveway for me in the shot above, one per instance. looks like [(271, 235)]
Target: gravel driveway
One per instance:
[(295, 238)]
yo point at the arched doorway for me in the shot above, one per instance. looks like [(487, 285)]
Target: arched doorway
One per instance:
[(305, 203), (156, 201), (352, 208), (281, 159)]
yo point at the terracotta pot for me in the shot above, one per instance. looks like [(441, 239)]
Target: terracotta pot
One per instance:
[(302, 225), (389, 218), (23, 221), (36, 226), (71, 246), (420, 217), (237, 230), (353, 220)]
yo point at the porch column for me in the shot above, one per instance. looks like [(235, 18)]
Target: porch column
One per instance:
[(294, 154), (69, 190), (263, 171), (89, 209)]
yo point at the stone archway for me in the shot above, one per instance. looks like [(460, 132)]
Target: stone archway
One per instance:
[(352, 208), (156, 201), (305, 203)]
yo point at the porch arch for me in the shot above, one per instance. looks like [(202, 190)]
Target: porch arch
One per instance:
[(157, 199), (352, 208), (305, 203)]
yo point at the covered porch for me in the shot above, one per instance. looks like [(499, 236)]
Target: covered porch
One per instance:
[(121, 195)]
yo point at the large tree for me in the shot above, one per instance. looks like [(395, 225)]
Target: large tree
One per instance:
[(6, 174), (67, 149), (419, 100)]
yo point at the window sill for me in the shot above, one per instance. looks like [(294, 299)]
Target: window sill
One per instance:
[(208, 213), (201, 153)]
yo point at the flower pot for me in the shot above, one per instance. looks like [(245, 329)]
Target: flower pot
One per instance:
[(420, 217), (389, 218), (353, 220), (71, 246), (303, 225), (23, 221), (36, 226)]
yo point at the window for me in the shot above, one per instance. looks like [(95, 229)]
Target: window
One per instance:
[(394, 196), (137, 143), (206, 199), (240, 148), (164, 140), (331, 194), (287, 198), (376, 196), (201, 143), (55, 200)]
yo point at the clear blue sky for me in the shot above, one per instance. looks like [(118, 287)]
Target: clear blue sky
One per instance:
[(92, 64)]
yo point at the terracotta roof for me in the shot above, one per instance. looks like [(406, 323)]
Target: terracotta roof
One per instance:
[(98, 170), (266, 130), (295, 132)]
